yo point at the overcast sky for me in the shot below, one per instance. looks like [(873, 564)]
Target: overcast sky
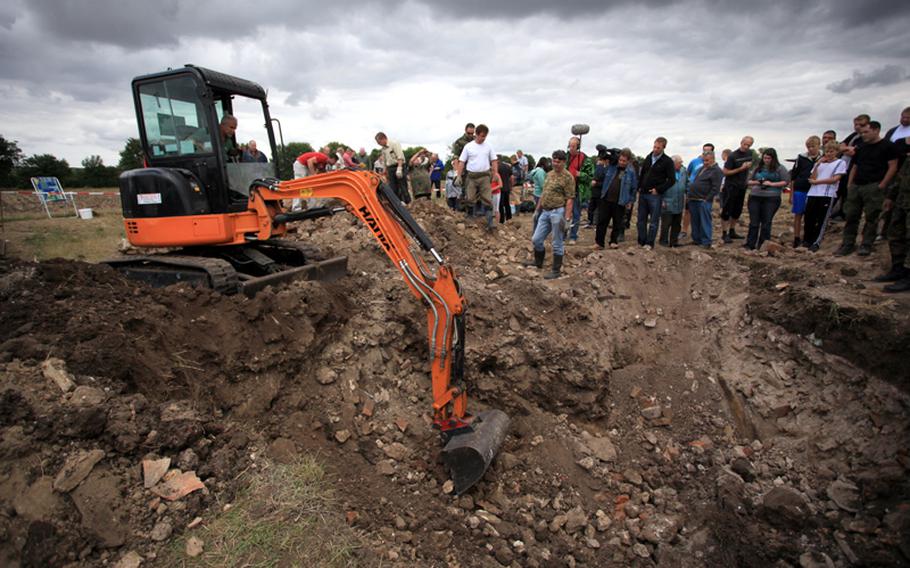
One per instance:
[(692, 71)]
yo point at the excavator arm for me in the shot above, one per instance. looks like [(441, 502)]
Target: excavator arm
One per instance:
[(471, 441)]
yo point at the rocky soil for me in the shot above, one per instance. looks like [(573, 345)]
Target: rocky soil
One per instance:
[(677, 407)]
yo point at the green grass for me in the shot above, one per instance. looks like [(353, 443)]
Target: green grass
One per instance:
[(287, 516), (64, 237)]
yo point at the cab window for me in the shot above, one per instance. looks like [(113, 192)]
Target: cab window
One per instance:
[(174, 118)]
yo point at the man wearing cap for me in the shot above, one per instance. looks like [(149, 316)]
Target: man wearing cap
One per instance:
[(554, 212), (395, 166)]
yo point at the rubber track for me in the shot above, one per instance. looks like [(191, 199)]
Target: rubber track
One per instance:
[(222, 276)]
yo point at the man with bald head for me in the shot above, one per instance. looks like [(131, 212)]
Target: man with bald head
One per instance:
[(252, 154), (736, 169)]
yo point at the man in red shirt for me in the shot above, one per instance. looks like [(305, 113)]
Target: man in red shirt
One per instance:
[(574, 165), (307, 164)]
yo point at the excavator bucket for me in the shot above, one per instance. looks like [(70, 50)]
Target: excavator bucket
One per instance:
[(467, 456)]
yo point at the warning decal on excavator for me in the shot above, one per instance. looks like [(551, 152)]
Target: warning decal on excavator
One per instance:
[(306, 192)]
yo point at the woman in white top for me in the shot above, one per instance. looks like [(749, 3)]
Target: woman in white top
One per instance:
[(823, 189)]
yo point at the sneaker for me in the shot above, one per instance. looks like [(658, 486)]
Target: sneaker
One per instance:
[(727, 239), (796, 242), (813, 248), (864, 250), (572, 242), (733, 235), (682, 235), (844, 250), (647, 247), (614, 245)]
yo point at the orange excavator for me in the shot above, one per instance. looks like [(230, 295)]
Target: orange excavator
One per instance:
[(227, 216)]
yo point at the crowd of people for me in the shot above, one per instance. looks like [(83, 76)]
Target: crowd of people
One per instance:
[(864, 175)]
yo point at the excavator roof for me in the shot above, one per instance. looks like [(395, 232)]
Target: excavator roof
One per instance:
[(215, 80)]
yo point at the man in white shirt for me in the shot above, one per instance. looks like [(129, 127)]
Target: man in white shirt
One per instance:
[(482, 166)]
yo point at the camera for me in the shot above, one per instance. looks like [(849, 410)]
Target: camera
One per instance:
[(611, 155)]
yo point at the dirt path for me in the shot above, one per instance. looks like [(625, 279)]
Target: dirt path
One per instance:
[(669, 407)]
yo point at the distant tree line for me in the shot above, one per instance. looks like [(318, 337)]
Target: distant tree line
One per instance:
[(17, 169)]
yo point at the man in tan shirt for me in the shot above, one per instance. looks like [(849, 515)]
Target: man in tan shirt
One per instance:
[(395, 166), (554, 211)]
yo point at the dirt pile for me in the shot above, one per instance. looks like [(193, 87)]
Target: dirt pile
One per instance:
[(658, 419)]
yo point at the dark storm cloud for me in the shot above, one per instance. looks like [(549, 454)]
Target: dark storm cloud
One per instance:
[(881, 77)]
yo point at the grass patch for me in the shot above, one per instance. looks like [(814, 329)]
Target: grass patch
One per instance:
[(287, 516), (41, 238)]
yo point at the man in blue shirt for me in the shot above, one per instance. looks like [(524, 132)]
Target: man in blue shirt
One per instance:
[(436, 167)]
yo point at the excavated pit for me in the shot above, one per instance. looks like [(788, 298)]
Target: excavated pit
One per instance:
[(660, 415)]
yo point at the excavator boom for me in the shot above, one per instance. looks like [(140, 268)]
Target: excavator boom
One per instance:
[(471, 441)]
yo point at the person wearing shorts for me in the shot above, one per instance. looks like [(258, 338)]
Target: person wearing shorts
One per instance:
[(799, 176), (736, 169)]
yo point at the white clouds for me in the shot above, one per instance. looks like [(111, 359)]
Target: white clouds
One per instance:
[(691, 71)]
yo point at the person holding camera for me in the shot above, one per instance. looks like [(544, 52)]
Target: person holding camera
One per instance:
[(657, 176), (619, 186), (765, 187)]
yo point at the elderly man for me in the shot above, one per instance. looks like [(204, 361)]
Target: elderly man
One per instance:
[(228, 128), (478, 166), (671, 209), (700, 196), (252, 154), (554, 211), (395, 166), (657, 176), (364, 161), (736, 169)]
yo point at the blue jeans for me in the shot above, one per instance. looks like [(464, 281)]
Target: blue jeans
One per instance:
[(700, 212), (648, 206), (576, 218), (761, 213), (550, 220)]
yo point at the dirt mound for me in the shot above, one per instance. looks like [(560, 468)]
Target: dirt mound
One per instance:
[(657, 417)]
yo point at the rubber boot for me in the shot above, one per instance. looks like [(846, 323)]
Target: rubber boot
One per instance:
[(902, 285), (896, 273), (537, 261), (557, 267)]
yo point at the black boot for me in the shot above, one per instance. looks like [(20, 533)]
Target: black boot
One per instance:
[(896, 273), (539, 255), (902, 285), (557, 267)]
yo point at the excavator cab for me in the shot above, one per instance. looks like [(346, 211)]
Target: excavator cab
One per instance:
[(179, 114), (194, 191)]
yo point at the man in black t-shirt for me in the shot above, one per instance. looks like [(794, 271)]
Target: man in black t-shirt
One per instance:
[(874, 166), (736, 170)]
